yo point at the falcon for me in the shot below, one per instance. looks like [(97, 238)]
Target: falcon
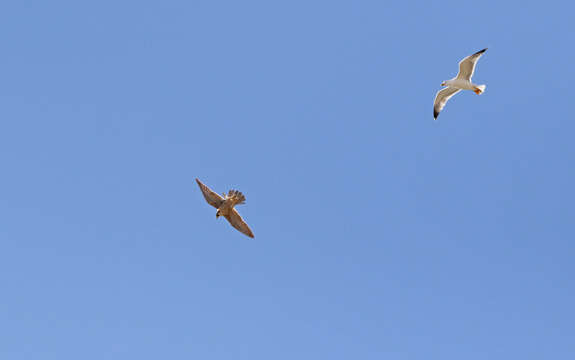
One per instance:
[(225, 206), (461, 82)]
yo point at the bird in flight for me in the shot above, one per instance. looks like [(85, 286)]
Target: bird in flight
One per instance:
[(461, 82), (225, 206)]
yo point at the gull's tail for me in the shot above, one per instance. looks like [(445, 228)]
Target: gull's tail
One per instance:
[(479, 89)]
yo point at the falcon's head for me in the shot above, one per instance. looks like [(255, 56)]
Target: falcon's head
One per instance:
[(218, 214)]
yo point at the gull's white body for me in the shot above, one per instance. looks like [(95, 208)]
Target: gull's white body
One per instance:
[(461, 82)]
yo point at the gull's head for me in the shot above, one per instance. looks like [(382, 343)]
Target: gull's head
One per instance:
[(444, 83)]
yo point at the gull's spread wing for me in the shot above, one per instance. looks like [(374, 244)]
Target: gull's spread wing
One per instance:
[(467, 65), (441, 99)]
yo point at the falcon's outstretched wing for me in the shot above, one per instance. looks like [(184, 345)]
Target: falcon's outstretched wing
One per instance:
[(236, 220), (211, 197)]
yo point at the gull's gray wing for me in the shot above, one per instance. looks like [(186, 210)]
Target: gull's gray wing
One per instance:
[(441, 99), (467, 65)]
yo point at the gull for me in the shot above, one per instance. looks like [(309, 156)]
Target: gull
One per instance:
[(461, 82), (225, 206)]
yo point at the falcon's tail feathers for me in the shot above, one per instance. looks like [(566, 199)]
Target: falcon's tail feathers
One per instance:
[(237, 197)]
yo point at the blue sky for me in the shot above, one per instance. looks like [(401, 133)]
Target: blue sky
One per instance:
[(380, 233)]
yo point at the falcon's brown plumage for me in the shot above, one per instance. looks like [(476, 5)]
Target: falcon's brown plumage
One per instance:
[(225, 206)]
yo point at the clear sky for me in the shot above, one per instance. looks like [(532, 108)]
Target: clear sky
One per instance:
[(379, 233)]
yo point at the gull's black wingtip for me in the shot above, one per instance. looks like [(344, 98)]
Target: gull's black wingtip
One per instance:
[(435, 114), (480, 51)]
